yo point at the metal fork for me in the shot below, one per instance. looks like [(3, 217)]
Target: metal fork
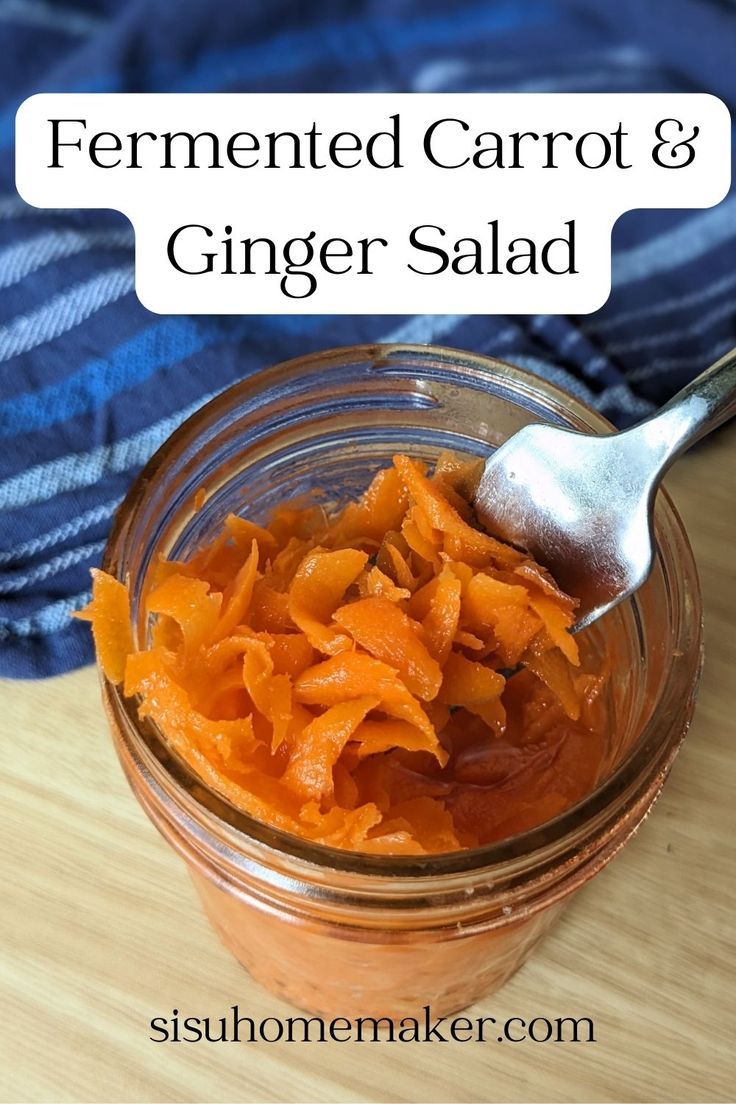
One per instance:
[(583, 505)]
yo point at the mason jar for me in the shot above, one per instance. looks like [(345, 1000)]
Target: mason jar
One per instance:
[(339, 933)]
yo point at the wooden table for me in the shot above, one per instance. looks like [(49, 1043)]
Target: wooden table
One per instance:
[(100, 931)]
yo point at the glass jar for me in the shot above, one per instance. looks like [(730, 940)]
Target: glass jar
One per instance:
[(344, 934)]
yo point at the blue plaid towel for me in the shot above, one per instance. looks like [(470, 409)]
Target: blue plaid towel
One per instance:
[(91, 383)]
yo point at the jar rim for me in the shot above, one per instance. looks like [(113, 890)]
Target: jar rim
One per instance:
[(650, 754)]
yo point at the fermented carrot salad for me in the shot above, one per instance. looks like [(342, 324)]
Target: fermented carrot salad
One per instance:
[(349, 677)]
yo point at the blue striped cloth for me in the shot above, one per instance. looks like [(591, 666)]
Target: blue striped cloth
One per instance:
[(91, 383)]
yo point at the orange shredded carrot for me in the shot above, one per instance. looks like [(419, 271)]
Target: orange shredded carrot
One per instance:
[(373, 583), (310, 767), (109, 614), (441, 621), (345, 677), (190, 604), (317, 589), (386, 632)]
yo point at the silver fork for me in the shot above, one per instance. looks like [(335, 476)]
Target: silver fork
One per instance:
[(583, 505)]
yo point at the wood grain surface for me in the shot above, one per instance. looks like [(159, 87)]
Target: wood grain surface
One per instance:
[(100, 930)]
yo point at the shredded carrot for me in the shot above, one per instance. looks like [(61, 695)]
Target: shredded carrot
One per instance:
[(109, 614), (345, 677)]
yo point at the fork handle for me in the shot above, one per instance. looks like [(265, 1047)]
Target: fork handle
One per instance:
[(700, 407)]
